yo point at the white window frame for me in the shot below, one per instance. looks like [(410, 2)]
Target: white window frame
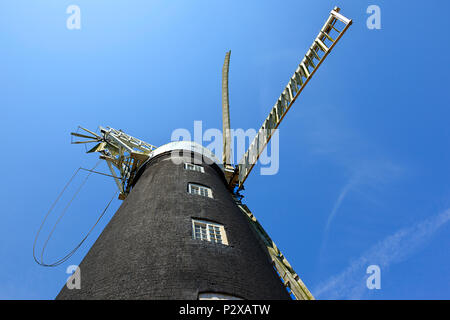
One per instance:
[(216, 296), (202, 190), (194, 167), (208, 226)]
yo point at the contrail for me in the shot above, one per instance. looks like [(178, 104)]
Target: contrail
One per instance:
[(336, 206), (351, 283), (338, 202)]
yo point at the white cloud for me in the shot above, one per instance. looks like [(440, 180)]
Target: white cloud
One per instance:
[(351, 283), (333, 134), (366, 178)]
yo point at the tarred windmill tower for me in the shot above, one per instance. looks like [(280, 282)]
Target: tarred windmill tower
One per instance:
[(182, 231)]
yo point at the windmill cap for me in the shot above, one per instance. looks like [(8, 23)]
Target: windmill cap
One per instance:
[(188, 146)]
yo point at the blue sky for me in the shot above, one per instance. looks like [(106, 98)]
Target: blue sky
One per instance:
[(364, 152)]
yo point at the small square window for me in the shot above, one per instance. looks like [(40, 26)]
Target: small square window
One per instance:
[(216, 296), (194, 167), (209, 231), (200, 190)]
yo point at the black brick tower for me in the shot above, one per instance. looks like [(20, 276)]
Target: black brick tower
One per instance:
[(148, 250)]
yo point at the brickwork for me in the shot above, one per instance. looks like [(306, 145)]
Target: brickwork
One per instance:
[(147, 250)]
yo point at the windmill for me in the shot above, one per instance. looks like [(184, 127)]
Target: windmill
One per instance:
[(182, 230)]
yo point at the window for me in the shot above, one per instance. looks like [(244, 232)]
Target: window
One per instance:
[(194, 167), (209, 231), (216, 296), (200, 190)]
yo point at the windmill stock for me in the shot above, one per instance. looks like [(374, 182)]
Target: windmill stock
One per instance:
[(182, 231)]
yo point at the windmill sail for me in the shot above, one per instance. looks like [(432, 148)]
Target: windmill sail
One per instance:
[(325, 41), (226, 112)]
